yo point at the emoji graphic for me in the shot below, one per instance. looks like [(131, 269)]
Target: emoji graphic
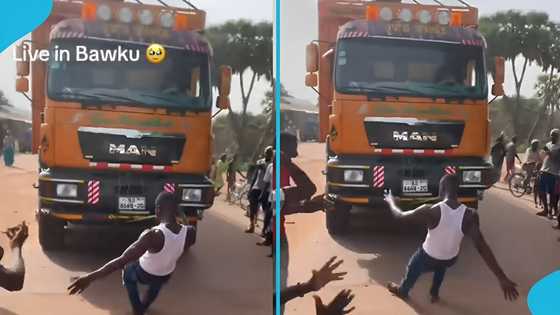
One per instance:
[(155, 53)]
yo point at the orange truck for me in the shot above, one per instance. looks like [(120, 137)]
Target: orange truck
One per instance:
[(113, 130), (403, 100)]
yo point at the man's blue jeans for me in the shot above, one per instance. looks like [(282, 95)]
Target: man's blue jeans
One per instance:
[(134, 275), (421, 263)]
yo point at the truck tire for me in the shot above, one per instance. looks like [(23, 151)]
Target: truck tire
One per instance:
[(338, 219), (51, 233)]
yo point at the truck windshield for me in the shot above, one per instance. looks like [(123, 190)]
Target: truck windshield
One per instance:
[(181, 81), (396, 67)]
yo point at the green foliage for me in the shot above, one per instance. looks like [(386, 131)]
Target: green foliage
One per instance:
[(246, 47), (243, 46)]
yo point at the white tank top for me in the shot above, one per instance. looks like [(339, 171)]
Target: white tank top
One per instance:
[(444, 241), (163, 262)]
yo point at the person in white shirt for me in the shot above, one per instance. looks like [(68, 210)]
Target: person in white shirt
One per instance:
[(150, 260), (447, 222)]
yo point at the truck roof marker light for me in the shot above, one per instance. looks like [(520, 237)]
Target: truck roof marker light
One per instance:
[(166, 19), (424, 16), (181, 22), (456, 19), (104, 12), (443, 17), (146, 17), (372, 13), (405, 15), (125, 15), (89, 12), (386, 14)]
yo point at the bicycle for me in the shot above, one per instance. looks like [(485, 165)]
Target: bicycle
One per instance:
[(519, 185), (239, 194)]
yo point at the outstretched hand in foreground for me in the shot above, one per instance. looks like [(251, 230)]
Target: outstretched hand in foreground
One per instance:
[(338, 306)]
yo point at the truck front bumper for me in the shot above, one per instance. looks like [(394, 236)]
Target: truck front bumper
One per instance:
[(373, 175), (94, 197)]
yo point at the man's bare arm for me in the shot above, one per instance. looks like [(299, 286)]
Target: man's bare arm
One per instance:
[(421, 214), (303, 189), (12, 278), (145, 242), (474, 232)]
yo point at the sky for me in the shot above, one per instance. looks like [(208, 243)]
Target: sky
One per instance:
[(217, 12), (299, 27)]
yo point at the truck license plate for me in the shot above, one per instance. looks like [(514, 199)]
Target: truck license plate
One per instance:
[(415, 186), (132, 203)]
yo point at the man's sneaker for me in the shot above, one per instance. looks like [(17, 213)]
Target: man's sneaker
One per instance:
[(434, 299), (542, 214), (396, 290)]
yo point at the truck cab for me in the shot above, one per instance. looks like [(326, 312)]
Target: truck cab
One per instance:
[(113, 129), (404, 101)]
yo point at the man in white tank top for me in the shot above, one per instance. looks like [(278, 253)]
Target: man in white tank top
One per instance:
[(151, 259), (447, 223)]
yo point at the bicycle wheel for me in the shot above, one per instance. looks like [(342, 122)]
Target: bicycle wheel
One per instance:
[(517, 184), (244, 198)]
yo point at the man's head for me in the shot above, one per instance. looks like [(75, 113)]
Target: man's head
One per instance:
[(288, 144), (223, 157), (448, 186), (514, 139), (268, 153), (166, 206), (554, 134), (535, 144), (500, 137)]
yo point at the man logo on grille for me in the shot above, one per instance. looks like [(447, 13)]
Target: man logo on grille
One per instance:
[(405, 136)]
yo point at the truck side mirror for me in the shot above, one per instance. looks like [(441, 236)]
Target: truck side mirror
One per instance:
[(311, 64), (224, 87), (498, 87), (22, 64), (312, 57), (22, 85)]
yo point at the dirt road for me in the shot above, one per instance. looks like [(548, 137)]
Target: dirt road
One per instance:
[(375, 253), (225, 273)]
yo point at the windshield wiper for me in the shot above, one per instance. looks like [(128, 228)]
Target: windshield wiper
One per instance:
[(78, 96)]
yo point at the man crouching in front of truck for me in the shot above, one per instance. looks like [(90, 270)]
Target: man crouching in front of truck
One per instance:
[(150, 260)]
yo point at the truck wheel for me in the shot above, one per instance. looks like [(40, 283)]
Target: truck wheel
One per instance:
[(338, 219), (51, 233)]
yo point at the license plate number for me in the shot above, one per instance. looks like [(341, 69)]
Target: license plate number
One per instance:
[(415, 186), (132, 203)]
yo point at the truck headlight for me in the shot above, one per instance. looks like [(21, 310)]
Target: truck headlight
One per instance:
[(472, 177), (353, 176), (193, 195), (67, 190)]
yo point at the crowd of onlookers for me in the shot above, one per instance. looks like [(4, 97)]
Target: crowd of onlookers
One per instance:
[(542, 166), (255, 186)]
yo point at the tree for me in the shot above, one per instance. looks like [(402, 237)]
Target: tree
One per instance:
[(513, 35), (247, 48), (547, 86), (4, 100)]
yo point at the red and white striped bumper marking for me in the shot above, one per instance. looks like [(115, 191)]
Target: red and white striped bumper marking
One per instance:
[(378, 176), (413, 152), (126, 167), (94, 191), (170, 187), (450, 170)]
